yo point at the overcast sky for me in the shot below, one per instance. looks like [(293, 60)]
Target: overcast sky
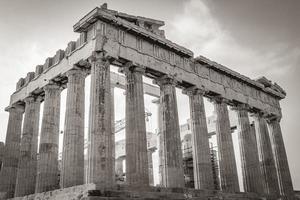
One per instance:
[(254, 37)]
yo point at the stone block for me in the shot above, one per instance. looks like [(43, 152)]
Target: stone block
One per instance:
[(38, 70), (83, 38), (29, 77), (78, 44), (48, 63), (20, 83), (71, 47), (215, 76), (60, 54), (202, 71)]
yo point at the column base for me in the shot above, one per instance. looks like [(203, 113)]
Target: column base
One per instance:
[(125, 192)]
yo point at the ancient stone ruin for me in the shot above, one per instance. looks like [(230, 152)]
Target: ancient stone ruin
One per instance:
[(139, 48)]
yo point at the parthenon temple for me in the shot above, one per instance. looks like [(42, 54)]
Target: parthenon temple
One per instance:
[(137, 46)]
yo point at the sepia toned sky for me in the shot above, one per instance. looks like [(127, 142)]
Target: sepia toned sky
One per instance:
[(255, 38)]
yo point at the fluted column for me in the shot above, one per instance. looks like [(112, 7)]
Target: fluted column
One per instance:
[(27, 167), (1, 154), (280, 157), (100, 160), (113, 143), (150, 165), (203, 177), (73, 144), (228, 169), (8, 174), (159, 138), (170, 144), (47, 167), (119, 166), (136, 139), (248, 151), (266, 161)]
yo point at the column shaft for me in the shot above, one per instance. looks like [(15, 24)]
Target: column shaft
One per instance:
[(27, 167), (136, 139), (203, 177), (172, 166), (10, 161), (113, 143), (266, 161), (248, 152), (150, 166), (159, 138), (228, 170), (1, 154), (73, 144), (280, 157), (100, 160), (119, 166), (47, 168)]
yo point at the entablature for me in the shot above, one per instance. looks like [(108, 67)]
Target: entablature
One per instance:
[(261, 83), (102, 31), (112, 18)]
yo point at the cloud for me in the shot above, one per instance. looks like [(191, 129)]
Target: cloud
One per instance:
[(197, 29)]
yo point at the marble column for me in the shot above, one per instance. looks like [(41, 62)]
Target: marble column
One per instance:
[(228, 169), (119, 166), (1, 154), (150, 165), (170, 144), (159, 144), (47, 167), (113, 142), (8, 174), (100, 159), (248, 151), (266, 160), (280, 157), (73, 144), (27, 167), (203, 176), (136, 138)]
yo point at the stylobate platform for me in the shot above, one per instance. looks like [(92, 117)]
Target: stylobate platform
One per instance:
[(123, 192)]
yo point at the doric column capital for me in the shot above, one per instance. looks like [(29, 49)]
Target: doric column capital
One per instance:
[(240, 107), (166, 80), (273, 118), (191, 91), (33, 98), (29, 100), (15, 108), (77, 72), (129, 67), (219, 99), (100, 56), (52, 86), (259, 113)]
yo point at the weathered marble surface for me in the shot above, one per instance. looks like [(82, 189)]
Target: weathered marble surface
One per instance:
[(73, 144), (47, 165), (248, 152), (100, 159), (280, 158), (227, 164), (90, 192), (27, 167), (8, 174), (172, 166), (266, 159), (203, 175), (136, 140)]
